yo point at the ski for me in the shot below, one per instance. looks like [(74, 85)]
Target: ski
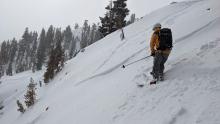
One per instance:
[(140, 85), (151, 83), (145, 79)]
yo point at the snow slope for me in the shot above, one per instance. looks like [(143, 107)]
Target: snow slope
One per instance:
[(94, 89)]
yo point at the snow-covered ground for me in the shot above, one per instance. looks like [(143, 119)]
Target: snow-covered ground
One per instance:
[(94, 89)]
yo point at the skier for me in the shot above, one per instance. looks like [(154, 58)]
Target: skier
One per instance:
[(160, 51)]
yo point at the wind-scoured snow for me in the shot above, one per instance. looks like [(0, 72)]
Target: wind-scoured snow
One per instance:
[(94, 89)]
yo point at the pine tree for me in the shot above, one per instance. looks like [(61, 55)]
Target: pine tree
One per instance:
[(103, 29), (22, 62), (13, 50), (120, 13), (56, 60), (76, 26), (19, 58), (1, 71), (98, 35), (108, 21), (20, 107), (49, 74), (27, 63), (85, 35), (30, 96), (8, 48), (41, 50), (49, 41), (132, 19), (59, 52), (27, 36), (72, 47), (77, 40), (33, 52), (9, 70), (4, 54), (67, 37), (92, 34)]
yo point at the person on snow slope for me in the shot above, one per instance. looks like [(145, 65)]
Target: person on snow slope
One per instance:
[(160, 56)]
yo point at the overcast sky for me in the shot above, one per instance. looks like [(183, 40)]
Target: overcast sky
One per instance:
[(15, 15)]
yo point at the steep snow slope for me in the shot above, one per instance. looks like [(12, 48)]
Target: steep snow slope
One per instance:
[(93, 89)]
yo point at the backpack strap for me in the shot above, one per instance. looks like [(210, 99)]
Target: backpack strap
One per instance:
[(157, 33)]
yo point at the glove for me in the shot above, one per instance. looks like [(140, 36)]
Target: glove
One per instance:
[(152, 54)]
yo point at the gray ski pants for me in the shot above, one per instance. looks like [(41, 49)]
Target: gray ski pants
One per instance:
[(158, 65)]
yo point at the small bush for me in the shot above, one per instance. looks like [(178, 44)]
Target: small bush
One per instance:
[(30, 96), (20, 107)]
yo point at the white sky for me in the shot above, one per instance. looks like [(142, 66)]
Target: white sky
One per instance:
[(15, 15)]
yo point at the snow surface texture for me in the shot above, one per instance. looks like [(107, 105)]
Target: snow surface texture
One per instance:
[(94, 89)]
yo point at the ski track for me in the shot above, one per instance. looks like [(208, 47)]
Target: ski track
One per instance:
[(177, 115), (143, 32), (168, 20), (111, 69), (179, 12), (35, 120), (197, 30), (172, 17), (112, 54), (179, 90)]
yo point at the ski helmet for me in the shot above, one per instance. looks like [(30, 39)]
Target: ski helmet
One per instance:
[(157, 25)]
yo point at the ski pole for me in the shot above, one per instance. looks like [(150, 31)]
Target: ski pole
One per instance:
[(123, 66)]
